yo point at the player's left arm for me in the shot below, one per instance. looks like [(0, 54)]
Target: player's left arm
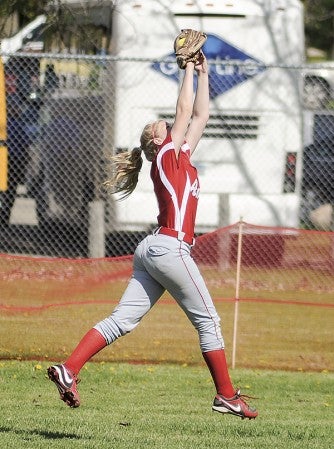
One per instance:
[(184, 108), (200, 113)]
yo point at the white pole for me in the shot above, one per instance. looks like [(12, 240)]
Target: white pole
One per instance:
[(237, 287), (96, 229)]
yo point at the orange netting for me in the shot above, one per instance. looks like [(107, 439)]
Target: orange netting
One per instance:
[(275, 264), (264, 268)]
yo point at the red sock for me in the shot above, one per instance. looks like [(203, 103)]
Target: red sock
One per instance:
[(217, 365), (89, 345)]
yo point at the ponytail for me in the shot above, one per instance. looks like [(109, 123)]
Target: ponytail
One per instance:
[(125, 167)]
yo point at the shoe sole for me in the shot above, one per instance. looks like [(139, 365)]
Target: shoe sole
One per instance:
[(225, 411), (66, 394)]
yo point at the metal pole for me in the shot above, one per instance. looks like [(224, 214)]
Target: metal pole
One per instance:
[(237, 287)]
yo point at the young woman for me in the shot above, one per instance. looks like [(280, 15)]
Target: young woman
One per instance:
[(162, 261)]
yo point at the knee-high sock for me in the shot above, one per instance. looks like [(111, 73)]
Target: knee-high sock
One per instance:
[(89, 345), (216, 362)]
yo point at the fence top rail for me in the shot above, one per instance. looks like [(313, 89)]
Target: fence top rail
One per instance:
[(169, 59)]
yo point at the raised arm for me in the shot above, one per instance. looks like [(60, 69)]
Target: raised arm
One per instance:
[(184, 108), (200, 114)]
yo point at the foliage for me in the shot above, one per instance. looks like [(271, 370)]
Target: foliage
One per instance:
[(27, 10), (319, 25), (65, 25), (319, 21)]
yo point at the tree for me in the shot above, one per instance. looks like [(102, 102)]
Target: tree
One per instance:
[(26, 10), (319, 25), (86, 28), (64, 19)]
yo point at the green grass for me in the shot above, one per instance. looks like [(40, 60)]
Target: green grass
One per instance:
[(285, 322), (162, 407), (270, 336)]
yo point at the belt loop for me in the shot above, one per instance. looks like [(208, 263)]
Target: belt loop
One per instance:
[(156, 231), (180, 235)]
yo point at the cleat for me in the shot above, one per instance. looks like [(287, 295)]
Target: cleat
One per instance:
[(235, 406), (66, 382)]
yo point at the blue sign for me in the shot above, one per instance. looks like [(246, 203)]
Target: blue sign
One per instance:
[(231, 67)]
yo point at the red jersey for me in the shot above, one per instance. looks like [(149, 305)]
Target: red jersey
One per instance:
[(176, 186)]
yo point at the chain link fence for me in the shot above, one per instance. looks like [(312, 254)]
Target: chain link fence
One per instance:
[(264, 227), (266, 159)]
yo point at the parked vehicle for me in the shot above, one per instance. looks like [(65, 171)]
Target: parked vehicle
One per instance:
[(22, 129), (318, 167), (246, 173), (318, 85), (29, 37)]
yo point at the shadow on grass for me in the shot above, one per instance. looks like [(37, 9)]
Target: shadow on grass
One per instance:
[(48, 435)]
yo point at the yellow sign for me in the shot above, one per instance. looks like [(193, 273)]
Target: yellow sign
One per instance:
[(3, 132), (3, 168)]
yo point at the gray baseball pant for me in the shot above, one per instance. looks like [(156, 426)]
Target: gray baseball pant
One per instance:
[(164, 263)]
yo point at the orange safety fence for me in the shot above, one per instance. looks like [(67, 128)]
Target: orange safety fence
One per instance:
[(282, 278)]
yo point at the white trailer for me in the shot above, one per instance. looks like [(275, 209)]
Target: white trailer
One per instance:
[(249, 159)]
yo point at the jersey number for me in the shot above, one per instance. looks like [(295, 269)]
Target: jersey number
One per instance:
[(195, 189)]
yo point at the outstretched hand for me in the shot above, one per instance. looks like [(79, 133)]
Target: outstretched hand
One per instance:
[(202, 64)]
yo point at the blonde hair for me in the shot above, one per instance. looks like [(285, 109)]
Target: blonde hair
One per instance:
[(126, 166)]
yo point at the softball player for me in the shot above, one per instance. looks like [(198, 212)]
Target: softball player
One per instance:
[(162, 261)]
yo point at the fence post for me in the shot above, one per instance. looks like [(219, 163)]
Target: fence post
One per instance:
[(237, 287), (96, 229), (224, 237)]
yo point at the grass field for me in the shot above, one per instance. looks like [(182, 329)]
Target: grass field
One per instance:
[(270, 336), (286, 313), (164, 400), (162, 406)]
